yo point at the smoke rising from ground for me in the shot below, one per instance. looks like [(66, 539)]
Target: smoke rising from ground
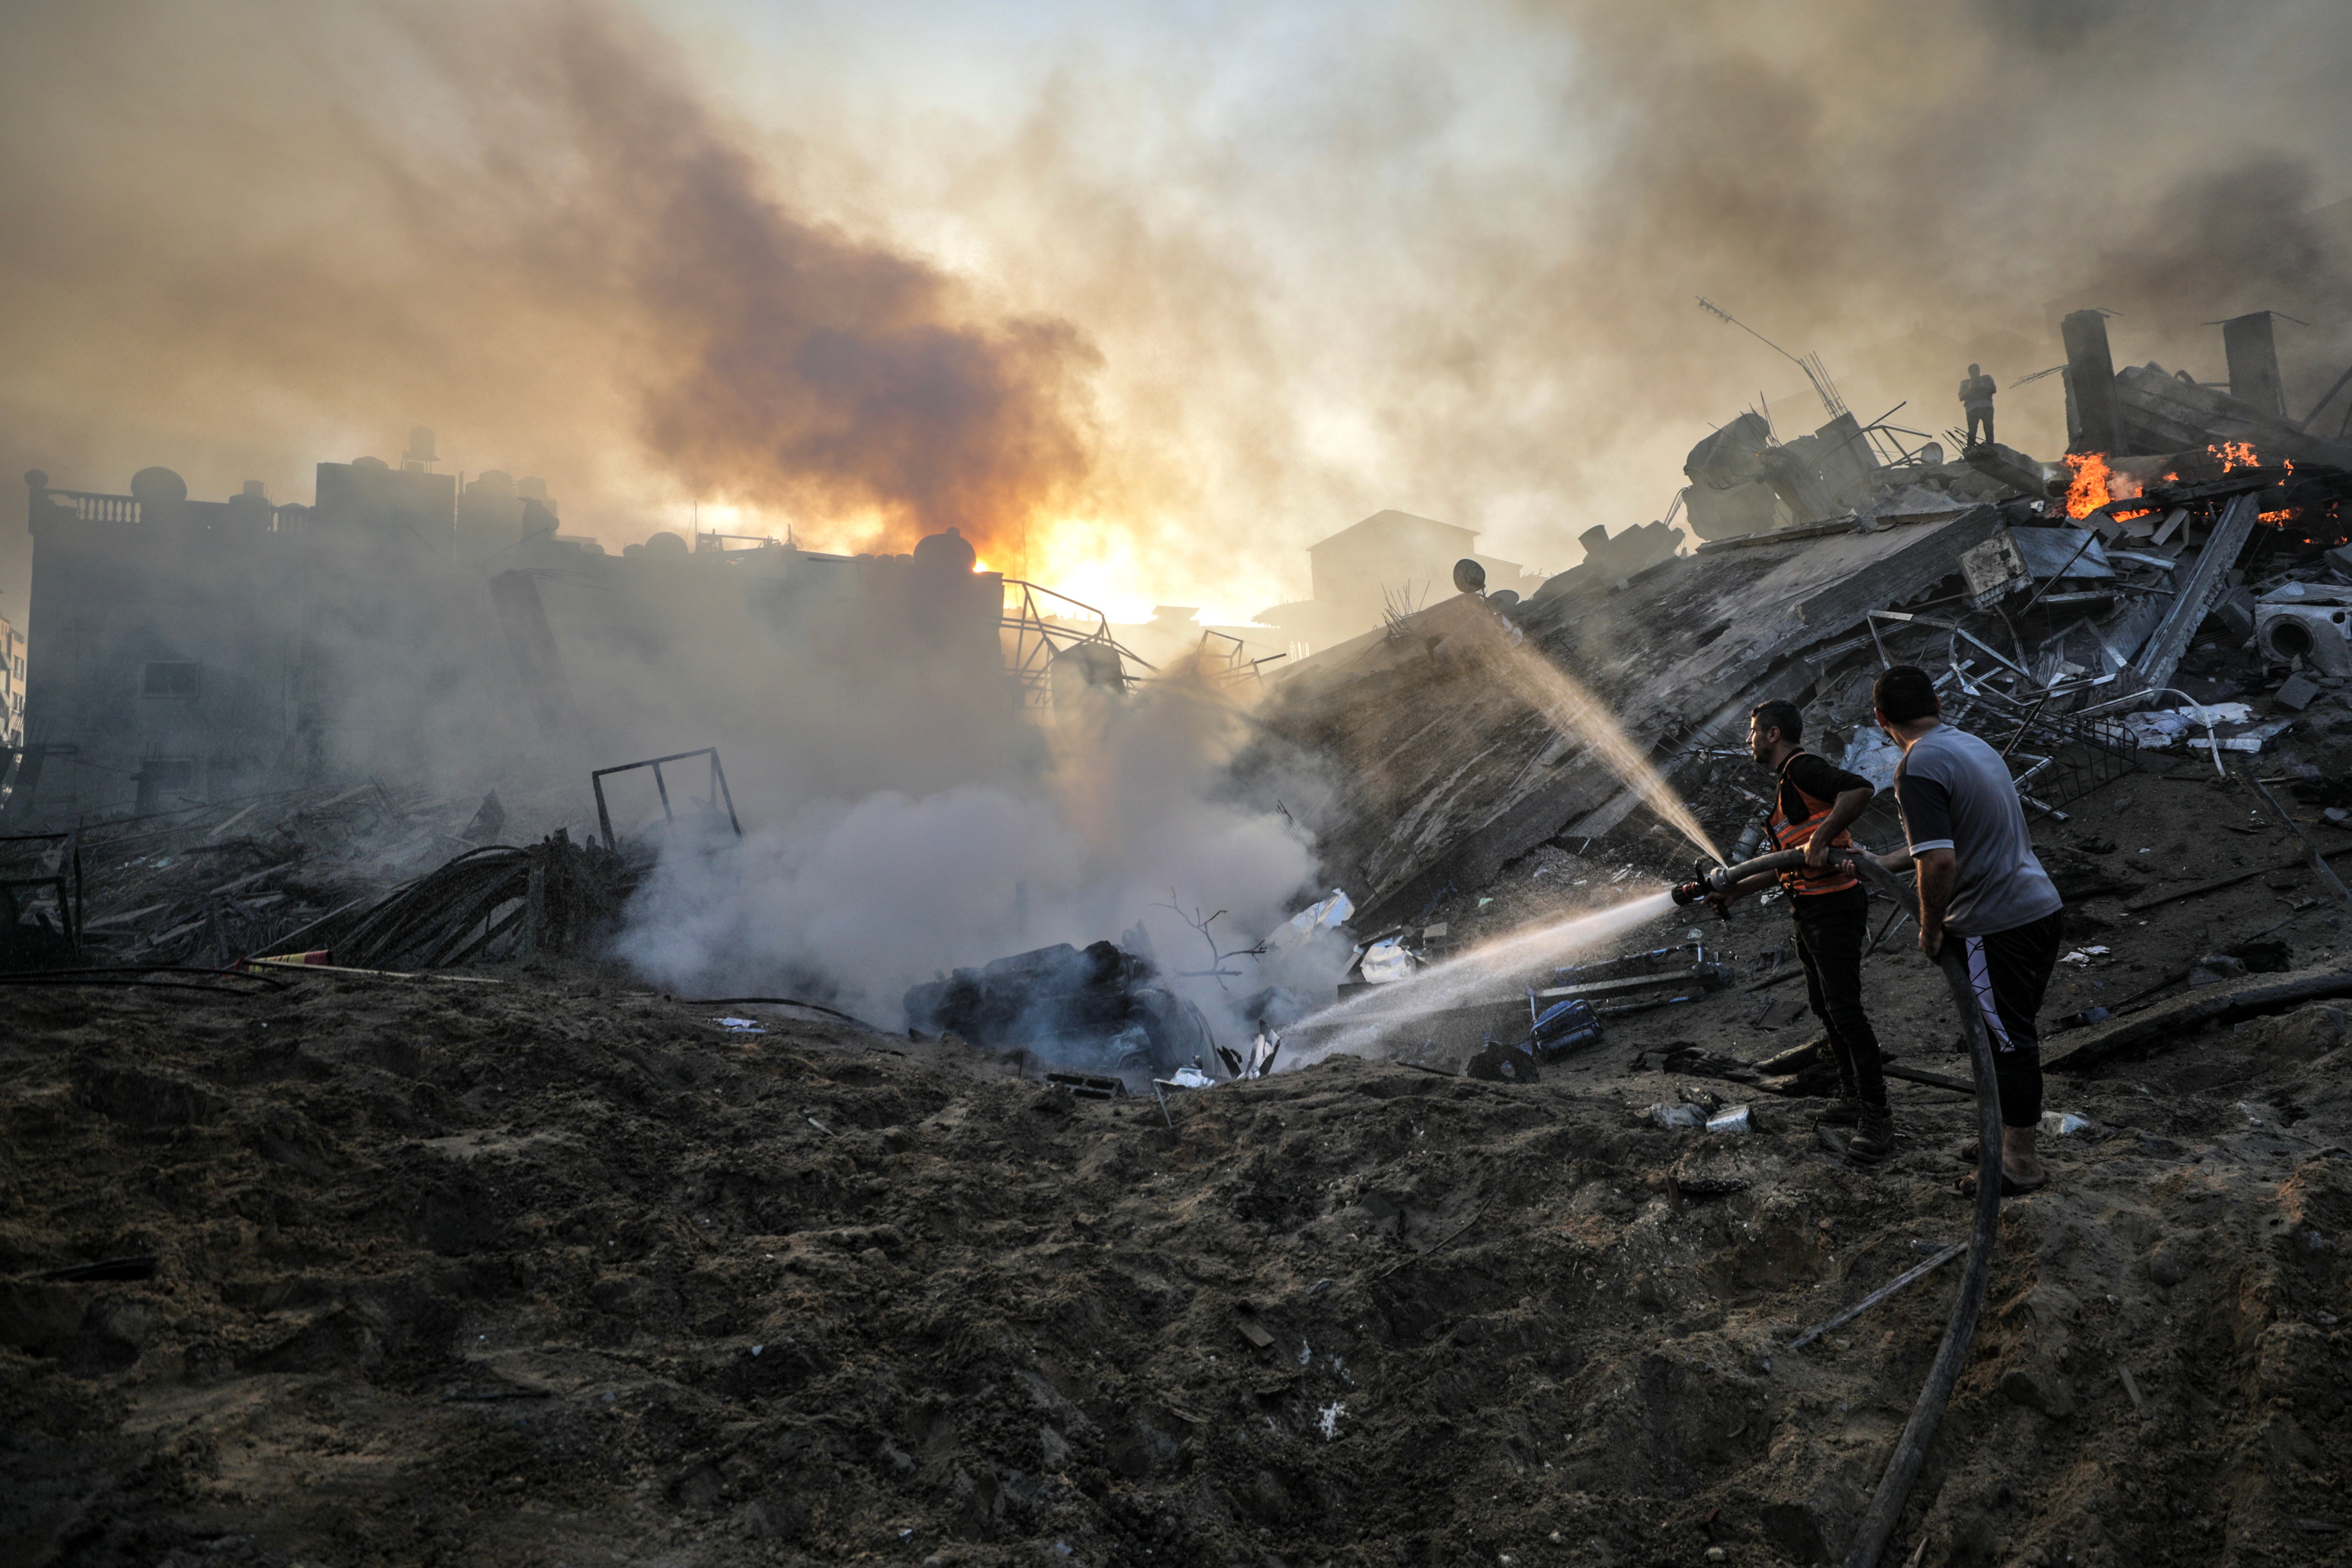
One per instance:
[(854, 900)]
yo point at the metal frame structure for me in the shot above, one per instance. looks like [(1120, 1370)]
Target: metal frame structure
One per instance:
[(1037, 641), (64, 868), (720, 793)]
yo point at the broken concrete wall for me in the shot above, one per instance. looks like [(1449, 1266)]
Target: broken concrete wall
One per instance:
[(1445, 774)]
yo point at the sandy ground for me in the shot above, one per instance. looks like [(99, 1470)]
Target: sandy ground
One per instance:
[(550, 1273)]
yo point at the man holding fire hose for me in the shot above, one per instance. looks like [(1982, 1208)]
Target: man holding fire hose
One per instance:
[(1987, 911), (1815, 803)]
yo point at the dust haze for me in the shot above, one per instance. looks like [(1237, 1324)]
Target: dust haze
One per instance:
[(1203, 298)]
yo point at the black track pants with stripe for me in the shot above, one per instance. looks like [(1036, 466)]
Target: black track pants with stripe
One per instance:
[(2008, 972)]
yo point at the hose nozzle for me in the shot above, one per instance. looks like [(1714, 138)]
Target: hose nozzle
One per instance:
[(1708, 881)]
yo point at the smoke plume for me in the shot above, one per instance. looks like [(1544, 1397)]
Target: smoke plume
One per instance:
[(524, 226), (1152, 300)]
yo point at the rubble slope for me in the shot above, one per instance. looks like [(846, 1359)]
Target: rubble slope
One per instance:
[(546, 1272)]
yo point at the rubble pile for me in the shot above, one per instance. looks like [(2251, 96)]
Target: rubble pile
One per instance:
[(211, 887), (2054, 605), (549, 1271)]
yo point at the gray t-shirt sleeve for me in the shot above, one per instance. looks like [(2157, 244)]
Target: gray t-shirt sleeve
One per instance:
[(1927, 809)]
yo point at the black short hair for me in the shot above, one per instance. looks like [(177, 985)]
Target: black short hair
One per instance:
[(1905, 692), (1782, 715)]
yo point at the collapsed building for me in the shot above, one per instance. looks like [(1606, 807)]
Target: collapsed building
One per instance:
[(2047, 607)]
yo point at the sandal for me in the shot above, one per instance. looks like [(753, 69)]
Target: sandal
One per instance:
[(2011, 1187)]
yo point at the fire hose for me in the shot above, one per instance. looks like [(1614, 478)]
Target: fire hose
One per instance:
[(1717, 881), (1894, 1484)]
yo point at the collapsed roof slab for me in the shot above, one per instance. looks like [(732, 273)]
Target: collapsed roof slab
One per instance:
[(2161, 414), (1443, 770)]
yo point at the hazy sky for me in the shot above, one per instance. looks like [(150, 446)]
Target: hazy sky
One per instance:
[(1147, 297)]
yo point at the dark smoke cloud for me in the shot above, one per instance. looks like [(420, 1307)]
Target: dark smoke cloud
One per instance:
[(1497, 310), (1225, 295), (239, 233)]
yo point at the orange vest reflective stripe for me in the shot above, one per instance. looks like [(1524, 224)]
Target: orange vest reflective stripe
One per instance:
[(1788, 835)]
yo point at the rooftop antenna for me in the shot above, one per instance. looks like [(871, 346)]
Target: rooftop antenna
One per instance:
[(1815, 372)]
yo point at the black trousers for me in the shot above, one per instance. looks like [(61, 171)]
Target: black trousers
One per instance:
[(1979, 416), (2009, 971), (1831, 931)]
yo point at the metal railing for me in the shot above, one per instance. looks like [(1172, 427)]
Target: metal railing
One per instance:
[(1039, 638), (93, 506)]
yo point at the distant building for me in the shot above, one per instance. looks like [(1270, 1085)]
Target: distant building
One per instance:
[(197, 651), (1392, 560), (194, 652)]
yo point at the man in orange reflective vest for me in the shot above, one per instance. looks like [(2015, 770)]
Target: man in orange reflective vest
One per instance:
[(1815, 805)]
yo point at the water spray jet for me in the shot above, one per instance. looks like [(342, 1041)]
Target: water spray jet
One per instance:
[(1358, 1021), (1570, 707)]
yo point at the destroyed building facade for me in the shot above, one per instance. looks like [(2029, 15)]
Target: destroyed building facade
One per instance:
[(12, 694), (201, 651)]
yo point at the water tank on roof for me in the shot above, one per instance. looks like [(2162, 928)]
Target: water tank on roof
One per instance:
[(665, 546), (949, 551), (158, 487)]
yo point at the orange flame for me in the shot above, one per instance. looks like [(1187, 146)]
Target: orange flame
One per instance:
[(2090, 488), (2235, 455)]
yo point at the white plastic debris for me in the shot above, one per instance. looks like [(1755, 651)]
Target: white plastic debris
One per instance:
[(1328, 1423), (1325, 914), (2166, 725), (2077, 957), (1388, 960), (1731, 1118), (741, 1026), (1190, 1076), (1870, 755), (2066, 1124), (1691, 1116)]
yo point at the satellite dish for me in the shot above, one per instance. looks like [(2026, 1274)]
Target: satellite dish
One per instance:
[(1469, 576), (1503, 598)]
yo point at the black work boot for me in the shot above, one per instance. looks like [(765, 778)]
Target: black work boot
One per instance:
[(1843, 1111), (1873, 1137)]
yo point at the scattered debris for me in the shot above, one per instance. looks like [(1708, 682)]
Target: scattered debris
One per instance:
[(1095, 1009)]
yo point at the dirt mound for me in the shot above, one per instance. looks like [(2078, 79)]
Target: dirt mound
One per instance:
[(549, 1273)]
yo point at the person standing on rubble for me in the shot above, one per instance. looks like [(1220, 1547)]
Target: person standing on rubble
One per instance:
[(1976, 399), (1814, 805), (1988, 913)]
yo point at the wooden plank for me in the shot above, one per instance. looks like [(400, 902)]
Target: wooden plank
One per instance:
[(2152, 900), (2246, 998), (2205, 585)]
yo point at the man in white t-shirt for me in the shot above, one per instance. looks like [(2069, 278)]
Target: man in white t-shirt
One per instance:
[(1986, 906)]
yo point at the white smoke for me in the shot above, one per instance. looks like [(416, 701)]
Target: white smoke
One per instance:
[(1128, 821)]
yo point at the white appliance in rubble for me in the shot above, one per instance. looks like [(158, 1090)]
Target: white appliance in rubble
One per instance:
[(2307, 621)]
